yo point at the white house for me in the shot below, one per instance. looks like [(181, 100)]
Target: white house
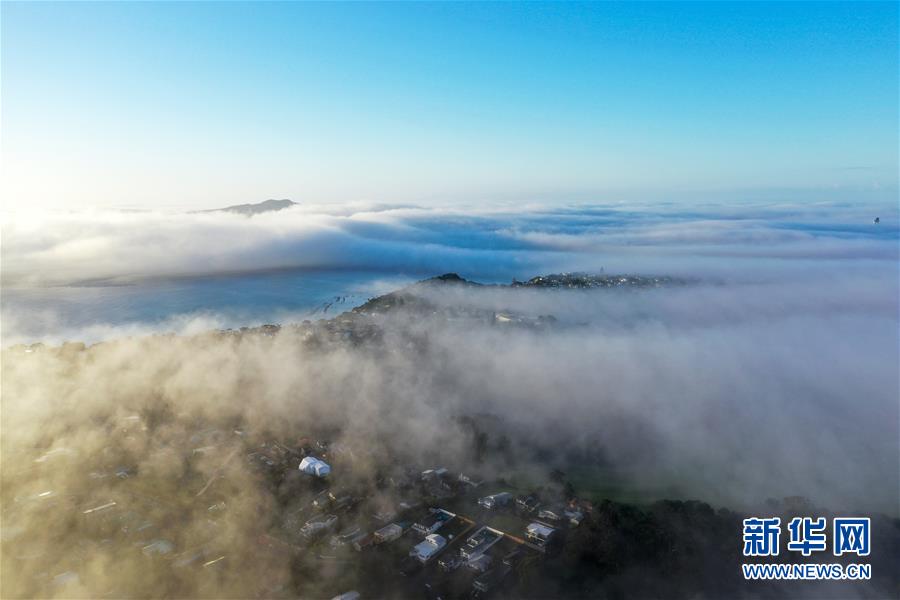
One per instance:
[(539, 533), (426, 550), (479, 542), (314, 466)]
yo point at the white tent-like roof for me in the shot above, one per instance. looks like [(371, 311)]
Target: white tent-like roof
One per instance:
[(314, 466)]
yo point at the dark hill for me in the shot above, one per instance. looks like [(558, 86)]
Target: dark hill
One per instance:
[(255, 209)]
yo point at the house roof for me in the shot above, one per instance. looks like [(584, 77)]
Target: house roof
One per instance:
[(432, 544), (539, 529), (311, 464), (393, 527)]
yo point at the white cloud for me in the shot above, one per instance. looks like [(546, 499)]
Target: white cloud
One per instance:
[(66, 248)]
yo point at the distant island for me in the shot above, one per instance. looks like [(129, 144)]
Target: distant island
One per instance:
[(428, 297), (254, 209)]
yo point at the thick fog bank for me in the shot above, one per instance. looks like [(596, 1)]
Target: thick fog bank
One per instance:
[(95, 276), (730, 393), (119, 247), (772, 376)]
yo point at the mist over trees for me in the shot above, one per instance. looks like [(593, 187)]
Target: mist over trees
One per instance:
[(624, 398)]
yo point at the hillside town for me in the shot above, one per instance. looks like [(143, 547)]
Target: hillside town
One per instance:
[(423, 531), (442, 534), (416, 531)]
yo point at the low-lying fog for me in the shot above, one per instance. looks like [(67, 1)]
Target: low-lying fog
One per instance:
[(100, 275), (759, 379)]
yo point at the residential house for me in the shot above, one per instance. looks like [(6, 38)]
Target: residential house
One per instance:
[(434, 521), (495, 500), (429, 548)]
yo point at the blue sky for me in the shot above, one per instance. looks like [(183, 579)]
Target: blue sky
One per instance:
[(207, 104)]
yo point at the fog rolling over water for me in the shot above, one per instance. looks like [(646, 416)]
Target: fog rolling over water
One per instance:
[(767, 370), (90, 276)]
